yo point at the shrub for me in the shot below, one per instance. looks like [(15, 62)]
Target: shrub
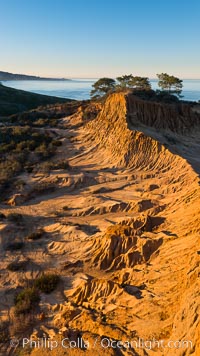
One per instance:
[(40, 122), (65, 207), (36, 235), (20, 325), (16, 245), (29, 168), (43, 188), (26, 300), (56, 143), (19, 184), (4, 332), (60, 165), (16, 266), (47, 166), (15, 217), (47, 283), (17, 145)]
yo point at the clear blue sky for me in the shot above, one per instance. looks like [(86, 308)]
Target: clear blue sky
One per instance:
[(94, 38)]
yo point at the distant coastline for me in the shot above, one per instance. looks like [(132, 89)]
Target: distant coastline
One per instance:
[(79, 88), (11, 76)]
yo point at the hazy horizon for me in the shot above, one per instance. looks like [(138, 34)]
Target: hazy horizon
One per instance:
[(80, 77)]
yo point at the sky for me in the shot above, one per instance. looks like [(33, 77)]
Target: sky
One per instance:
[(96, 38)]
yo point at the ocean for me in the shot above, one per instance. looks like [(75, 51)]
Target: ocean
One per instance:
[(80, 88)]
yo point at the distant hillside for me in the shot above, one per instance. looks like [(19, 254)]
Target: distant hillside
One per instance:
[(11, 76), (13, 101)]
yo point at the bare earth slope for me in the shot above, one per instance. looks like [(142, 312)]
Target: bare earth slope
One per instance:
[(121, 230)]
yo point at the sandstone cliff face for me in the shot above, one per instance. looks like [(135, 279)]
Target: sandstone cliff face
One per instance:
[(181, 118), (130, 147)]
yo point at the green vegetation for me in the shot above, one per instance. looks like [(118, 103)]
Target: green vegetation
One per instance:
[(125, 81), (102, 86), (36, 235), (141, 87), (15, 218), (65, 207), (23, 146), (26, 301), (43, 188), (44, 116), (47, 282), (4, 332), (15, 245), (169, 83), (28, 298), (159, 96), (46, 167), (17, 139), (16, 266), (20, 149), (13, 141), (14, 101), (141, 83), (138, 83)]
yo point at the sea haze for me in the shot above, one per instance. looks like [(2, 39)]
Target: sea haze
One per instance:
[(80, 88)]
